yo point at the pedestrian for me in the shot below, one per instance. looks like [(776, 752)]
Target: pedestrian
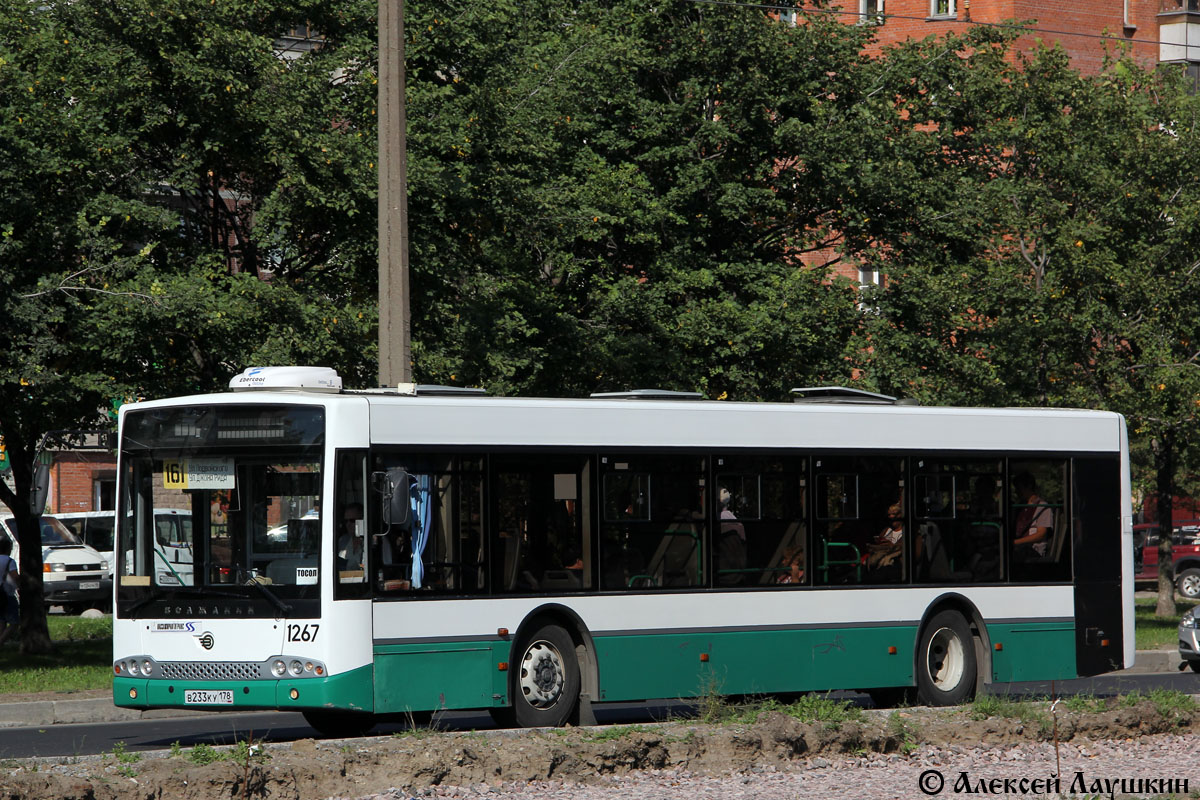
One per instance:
[(9, 610)]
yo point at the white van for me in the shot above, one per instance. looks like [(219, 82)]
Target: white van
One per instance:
[(173, 532), (74, 575), (94, 528)]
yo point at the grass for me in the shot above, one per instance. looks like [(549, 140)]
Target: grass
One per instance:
[(906, 732), (807, 708), (82, 659), (1156, 633)]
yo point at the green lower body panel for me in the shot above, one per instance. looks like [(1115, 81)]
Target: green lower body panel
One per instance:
[(636, 667), (429, 677), (350, 691), (1033, 651)]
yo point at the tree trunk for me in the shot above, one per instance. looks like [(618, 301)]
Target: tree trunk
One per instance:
[(33, 630), (1164, 452)]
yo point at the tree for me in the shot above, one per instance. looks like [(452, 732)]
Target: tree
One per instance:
[(1058, 266), (177, 202), (605, 196)]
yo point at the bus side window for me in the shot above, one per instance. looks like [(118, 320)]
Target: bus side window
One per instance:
[(762, 526), (1039, 545)]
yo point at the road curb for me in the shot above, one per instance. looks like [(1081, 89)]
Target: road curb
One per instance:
[(1151, 661), (37, 713)]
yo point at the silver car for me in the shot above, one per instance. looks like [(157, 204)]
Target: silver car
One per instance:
[(1189, 639)]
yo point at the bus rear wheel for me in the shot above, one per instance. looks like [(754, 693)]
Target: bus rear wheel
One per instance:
[(546, 679), (946, 666), (340, 724)]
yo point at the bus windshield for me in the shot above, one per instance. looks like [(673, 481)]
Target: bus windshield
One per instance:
[(252, 486)]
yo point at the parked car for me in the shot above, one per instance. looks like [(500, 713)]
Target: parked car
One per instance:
[(1189, 639), (1185, 556), (173, 531), (75, 576), (95, 528)]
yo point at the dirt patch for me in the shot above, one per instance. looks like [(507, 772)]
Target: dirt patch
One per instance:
[(309, 769)]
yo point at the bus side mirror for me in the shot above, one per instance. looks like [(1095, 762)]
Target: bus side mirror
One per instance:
[(40, 488), (393, 485)]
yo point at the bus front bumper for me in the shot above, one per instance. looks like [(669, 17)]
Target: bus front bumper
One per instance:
[(347, 691)]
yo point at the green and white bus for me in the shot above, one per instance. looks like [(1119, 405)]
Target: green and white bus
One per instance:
[(366, 554)]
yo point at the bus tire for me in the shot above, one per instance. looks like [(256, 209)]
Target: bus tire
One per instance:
[(545, 679), (339, 724), (946, 666)]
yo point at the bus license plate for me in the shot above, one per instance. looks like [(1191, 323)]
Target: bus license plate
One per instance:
[(205, 697), (89, 585)]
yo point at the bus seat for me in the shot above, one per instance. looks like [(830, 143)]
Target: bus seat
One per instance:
[(560, 580), (934, 557), (676, 561), (512, 561), (792, 536)]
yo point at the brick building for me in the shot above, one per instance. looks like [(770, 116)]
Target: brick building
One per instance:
[(1154, 31), (1084, 30)]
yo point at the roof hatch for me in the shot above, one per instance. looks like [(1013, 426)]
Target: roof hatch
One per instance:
[(648, 394), (840, 394)]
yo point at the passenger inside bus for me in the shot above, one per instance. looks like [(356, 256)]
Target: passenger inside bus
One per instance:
[(350, 543), (887, 548), (731, 547)]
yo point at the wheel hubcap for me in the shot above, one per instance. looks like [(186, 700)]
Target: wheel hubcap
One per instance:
[(542, 675), (945, 660), (1190, 586)]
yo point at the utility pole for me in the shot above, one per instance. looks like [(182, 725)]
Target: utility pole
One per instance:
[(395, 346)]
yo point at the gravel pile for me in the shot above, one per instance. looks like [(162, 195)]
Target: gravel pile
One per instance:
[(1146, 764)]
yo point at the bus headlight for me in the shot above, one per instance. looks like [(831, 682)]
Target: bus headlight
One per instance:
[(133, 668), (296, 667), (278, 668), (147, 667)]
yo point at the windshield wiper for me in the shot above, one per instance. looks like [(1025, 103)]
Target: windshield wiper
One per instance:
[(283, 607), (254, 581)]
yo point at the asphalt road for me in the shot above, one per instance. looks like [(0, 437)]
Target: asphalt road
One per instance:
[(225, 728)]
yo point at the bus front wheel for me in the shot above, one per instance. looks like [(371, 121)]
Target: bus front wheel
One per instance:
[(946, 665), (340, 724), (546, 679)]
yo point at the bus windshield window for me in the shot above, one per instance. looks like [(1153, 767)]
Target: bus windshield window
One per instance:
[(243, 516)]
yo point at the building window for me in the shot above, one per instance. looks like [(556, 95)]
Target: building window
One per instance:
[(870, 12), (941, 8), (788, 16)]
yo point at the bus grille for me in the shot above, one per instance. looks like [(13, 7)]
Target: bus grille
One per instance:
[(210, 671)]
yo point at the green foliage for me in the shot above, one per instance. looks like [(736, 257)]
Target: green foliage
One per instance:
[(613, 732), (1027, 710), (809, 708), (203, 754), (583, 217), (1173, 704), (1086, 703), (123, 755), (904, 730)]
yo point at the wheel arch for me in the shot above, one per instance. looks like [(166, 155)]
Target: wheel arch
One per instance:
[(585, 647), (1186, 563), (953, 601)]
